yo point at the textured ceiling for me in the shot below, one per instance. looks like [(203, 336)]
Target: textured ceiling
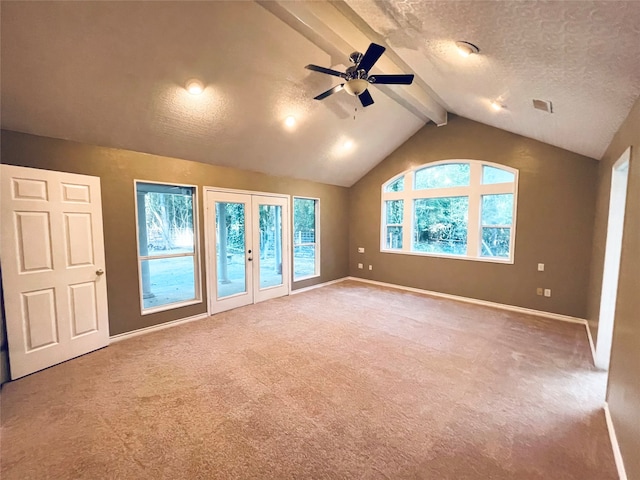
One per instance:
[(582, 56), (112, 74)]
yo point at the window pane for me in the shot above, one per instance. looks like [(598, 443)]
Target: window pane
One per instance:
[(394, 211), (497, 209), (304, 260), (397, 186), (167, 280), (394, 238), (304, 220), (441, 225), (304, 237), (165, 219), (443, 176), (496, 175), (495, 242)]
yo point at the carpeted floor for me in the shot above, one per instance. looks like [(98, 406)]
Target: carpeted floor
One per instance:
[(348, 381)]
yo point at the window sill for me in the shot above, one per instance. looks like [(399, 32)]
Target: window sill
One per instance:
[(169, 306), (504, 261)]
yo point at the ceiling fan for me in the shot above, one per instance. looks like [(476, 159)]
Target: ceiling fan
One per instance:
[(357, 76)]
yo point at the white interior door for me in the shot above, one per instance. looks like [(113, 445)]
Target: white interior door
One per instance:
[(53, 277), (248, 248)]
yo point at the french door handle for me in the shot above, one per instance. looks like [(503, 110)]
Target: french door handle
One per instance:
[(100, 272), (249, 258)]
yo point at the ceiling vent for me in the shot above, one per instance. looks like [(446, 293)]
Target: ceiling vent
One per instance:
[(543, 105)]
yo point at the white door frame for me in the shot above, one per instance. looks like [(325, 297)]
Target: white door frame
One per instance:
[(613, 251), (209, 235)]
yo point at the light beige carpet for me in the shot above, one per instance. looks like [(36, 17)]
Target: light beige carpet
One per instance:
[(348, 381)]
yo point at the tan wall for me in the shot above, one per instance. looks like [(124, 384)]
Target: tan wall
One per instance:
[(117, 170), (556, 199), (623, 393)]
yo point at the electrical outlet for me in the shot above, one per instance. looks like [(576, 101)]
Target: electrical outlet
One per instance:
[(360, 249), (370, 267), (547, 292), (539, 291), (541, 267), (360, 266)]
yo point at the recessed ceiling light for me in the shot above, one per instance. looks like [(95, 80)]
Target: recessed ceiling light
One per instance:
[(496, 106), (465, 48), (290, 121), (194, 87), (347, 145)]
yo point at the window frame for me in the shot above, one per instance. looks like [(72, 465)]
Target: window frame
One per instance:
[(474, 191), (315, 244), (196, 251)]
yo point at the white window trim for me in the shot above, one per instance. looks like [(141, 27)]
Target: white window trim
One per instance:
[(474, 192), (196, 251), (317, 242)]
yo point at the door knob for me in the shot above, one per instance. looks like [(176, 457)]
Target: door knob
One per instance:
[(249, 258), (100, 272)]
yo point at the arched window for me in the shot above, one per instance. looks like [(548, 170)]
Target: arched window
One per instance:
[(453, 208)]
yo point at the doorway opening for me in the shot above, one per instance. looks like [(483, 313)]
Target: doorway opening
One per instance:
[(613, 251), (247, 248)]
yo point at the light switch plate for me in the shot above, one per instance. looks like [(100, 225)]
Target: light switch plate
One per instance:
[(547, 292), (359, 265), (541, 267), (360, 249)]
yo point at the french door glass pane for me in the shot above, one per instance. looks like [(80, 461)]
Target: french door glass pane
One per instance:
[(495, 242), (230, 248), (440, 225), (171, 280), (270, 245)]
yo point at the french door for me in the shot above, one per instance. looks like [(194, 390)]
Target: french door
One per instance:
[(248, 248)]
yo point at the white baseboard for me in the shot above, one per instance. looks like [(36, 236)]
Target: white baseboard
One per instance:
[(475, 301), (617, 455), (155, 328), (319, 285)]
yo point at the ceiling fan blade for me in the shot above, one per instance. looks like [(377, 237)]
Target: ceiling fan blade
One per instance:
[(328, 71), (371, 56), (331, 91), (404, 79), (365, 98)]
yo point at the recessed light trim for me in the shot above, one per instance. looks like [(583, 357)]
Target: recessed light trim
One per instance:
[(465, 48), (194, 86)]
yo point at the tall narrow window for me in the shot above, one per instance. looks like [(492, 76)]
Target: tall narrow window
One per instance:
[(167, 246), (306, 251), (453, 208)]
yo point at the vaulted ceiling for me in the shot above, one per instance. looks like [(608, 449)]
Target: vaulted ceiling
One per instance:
[(113, 74)]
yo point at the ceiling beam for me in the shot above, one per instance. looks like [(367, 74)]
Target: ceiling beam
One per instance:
[(339, 32)]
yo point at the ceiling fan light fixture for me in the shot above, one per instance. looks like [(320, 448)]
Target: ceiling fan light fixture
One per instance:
[(356, 86), (194, 86), (465, 48)]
